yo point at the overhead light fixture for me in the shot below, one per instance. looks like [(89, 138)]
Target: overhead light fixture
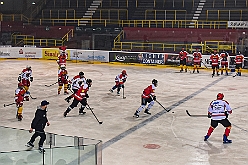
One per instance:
[(33, 3), (1, 2)]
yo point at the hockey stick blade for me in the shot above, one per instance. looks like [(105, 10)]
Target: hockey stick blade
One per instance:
[(195, 115)]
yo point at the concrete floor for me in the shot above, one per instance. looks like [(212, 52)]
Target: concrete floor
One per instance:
[(176, 138)]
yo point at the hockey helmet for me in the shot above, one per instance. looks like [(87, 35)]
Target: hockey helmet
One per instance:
[(81, 74), (63, 66), (220, 96), (28, 67), (155, 82), (89, 82), (124, 72)]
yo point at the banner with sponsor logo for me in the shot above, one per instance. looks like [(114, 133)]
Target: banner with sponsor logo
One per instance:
[(152, 58), (20, 52), (125, 57), (52, 53), (238, 24), (89, 55)]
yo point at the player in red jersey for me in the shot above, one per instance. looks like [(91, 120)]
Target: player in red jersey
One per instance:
[(63, 79), (197, 56), (239, 59), (214, 59), (224, 61)]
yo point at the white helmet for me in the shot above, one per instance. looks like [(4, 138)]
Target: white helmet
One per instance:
[(28, 67), (62, 66)]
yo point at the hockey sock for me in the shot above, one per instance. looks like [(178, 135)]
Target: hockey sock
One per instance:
[(150, 105), (210, 130), (227, 131), (140, 108)]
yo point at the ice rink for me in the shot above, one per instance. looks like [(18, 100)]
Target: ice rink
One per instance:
[(163, 138)]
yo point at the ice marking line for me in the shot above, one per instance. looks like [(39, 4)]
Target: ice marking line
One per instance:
[(145, 122)]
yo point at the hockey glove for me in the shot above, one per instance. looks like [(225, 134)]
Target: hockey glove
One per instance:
[(124, 80), (59, 80), (87, 96), (122, 85), (19, 78), (31, 79), (209, 115), (154, 98)]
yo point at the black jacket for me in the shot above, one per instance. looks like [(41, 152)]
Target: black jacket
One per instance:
[(40, 120)]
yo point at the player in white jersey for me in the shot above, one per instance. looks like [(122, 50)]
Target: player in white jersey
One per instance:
[(25, 78), (218, 111), (76, 82)]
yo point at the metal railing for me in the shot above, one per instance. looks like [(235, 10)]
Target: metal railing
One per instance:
[(64, 12), (155, 13), (18, 39), (207, 46), (227, 14)]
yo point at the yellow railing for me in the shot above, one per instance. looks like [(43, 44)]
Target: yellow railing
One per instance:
[(140, 23), (30, 40), (207, 46), (226, 13), (64, 12), (111, 12), (165, 13), (119, 37), (14, 17)]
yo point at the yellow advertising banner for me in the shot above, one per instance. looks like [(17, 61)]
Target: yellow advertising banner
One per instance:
[(48, 53)]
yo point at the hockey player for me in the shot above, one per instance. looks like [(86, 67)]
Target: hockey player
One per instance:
[(214, 60), (26, 77), (224, 62), (62, 56), (183, 59), (19, 98), (80, 96), (76, 82), (63, 79), (120, 79), (218, 111), (239, 59), (148, 96), (197, 56)]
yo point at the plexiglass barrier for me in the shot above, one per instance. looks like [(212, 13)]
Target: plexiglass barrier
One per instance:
[(59, 149)]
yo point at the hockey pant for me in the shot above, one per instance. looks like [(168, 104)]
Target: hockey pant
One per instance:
[(144, 101)]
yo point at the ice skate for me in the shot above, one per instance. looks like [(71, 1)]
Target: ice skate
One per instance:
[(225, 140), (206, 138), (19, 117), (30, 145), (65, 114), (197, 71), (111, 90), (136, 115), (118, 94), (66, 93), (81, 111), (147, 112), (41, 150)]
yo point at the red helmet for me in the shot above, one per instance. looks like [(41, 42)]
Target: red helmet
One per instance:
[(220, 96), (124, 72)]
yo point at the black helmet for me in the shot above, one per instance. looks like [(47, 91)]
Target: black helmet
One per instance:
[(155, 82), (88, 81), (81, 73)]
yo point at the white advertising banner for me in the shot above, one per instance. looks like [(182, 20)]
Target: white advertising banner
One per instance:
[(238, 24), (89, 55), (20, 52)]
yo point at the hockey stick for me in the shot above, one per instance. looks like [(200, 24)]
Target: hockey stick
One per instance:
[(204, 65), (5, 105), (51, 84), (31, 96), (100, 122), (195, 115), (167, 110), (123, 94)]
